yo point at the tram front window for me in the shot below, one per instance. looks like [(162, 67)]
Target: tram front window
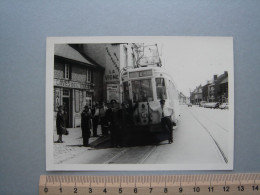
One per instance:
[(160, 88), (142, 90)]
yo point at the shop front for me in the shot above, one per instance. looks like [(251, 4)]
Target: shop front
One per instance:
[(73, 96)]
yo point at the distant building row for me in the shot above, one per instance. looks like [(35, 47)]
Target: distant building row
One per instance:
[(214, 91)]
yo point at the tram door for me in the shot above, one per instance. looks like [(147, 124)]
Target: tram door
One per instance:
[(66, 107)]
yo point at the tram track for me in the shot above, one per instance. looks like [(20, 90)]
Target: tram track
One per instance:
[(222, 154), (132, 155)]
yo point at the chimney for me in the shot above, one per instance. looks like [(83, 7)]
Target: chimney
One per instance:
[(215, 77)]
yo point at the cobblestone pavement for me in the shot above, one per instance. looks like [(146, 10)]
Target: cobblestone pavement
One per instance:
[(72, 145)]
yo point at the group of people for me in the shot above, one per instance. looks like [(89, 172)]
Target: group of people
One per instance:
[(113, 121)]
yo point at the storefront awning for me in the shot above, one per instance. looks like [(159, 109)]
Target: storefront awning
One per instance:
[(65, 51)]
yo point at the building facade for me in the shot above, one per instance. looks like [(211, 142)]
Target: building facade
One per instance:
[(215, 90), (114, 57), (196, 95), (76, 83)]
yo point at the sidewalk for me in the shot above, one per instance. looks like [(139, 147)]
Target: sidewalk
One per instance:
[(73, 144)]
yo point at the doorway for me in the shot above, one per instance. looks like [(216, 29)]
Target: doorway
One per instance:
[(89, 100), (67, 107)]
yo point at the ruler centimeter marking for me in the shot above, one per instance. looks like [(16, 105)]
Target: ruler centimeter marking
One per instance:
[(221, 184)]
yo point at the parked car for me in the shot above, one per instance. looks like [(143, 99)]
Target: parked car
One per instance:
[(211, 105), (223, 106), (189, 104), (207, 105), (202, 103)]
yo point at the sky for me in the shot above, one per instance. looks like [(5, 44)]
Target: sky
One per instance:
[(192, 61)]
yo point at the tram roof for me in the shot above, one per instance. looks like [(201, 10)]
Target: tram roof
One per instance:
[(159, 69), (146, 68)]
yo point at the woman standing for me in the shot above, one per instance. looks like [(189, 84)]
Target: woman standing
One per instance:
[(60, 124)]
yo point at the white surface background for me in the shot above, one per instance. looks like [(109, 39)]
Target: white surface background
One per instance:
[(24, 26)]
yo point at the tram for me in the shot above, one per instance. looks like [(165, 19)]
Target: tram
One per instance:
[(144, 87)]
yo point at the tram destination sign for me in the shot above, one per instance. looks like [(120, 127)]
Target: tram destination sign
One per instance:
[(144, 73)]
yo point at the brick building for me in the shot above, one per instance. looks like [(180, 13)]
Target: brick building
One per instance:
[(196, 95), (77, 82)]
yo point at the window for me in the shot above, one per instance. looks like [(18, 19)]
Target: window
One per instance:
[(160, 88), (77, 101), (126, 57), (133, 60), (67, 72), (142, 90), (89, 76), (66, 92)]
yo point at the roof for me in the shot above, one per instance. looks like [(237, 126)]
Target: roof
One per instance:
[(225, 80), (222, 77), (65, 51)]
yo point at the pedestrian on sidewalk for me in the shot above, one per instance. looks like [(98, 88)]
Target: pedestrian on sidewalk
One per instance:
[(85, 125), (96, 119), (60, 124)]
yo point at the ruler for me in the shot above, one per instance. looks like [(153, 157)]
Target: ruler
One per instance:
[(221, 184)]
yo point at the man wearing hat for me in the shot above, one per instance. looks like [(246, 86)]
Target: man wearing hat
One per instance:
[(60, 124), (166, 122), (85, 125), (112, 117)]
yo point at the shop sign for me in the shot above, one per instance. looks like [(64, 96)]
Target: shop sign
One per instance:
[(69, 84), (112, 92)]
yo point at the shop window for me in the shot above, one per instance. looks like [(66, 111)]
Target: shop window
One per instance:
[(56, 99)]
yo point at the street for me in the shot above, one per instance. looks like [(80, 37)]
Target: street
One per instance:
[(200, 138)]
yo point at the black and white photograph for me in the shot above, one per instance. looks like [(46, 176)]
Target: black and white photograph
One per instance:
[(139, 103)]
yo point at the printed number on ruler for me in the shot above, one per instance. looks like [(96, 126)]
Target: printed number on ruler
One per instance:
[(172, 184)]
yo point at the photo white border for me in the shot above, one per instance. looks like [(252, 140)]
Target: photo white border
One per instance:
[(50, 166)]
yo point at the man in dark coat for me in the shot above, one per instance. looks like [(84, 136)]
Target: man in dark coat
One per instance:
[(85, 125), (112, 117), (60, 124)]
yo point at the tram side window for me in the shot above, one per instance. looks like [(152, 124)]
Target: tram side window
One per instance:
[(160, 88), (126, 91), (142, 90)]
